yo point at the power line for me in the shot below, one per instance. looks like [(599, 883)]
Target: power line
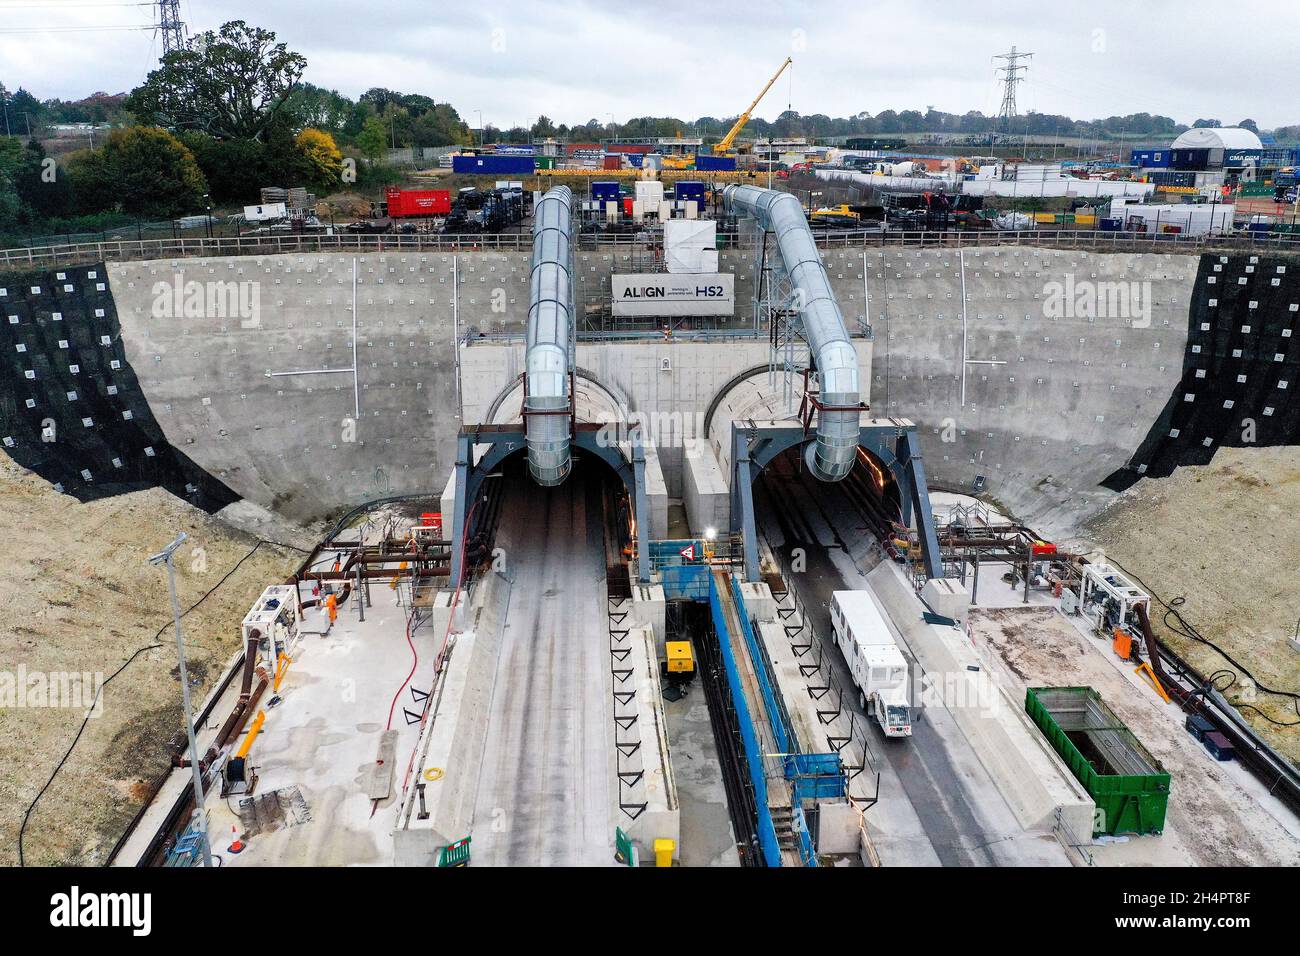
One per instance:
[(1010, 79), (72, 6), (98, 28)]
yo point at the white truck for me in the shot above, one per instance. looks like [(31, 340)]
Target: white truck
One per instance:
[(878, 667)]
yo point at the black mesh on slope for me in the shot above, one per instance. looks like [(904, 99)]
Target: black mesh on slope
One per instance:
[(63, 365), (1241, 368)]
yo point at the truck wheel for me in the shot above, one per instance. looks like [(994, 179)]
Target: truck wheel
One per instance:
[(862, 701)]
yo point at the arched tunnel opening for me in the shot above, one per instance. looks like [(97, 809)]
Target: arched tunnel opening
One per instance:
[(589, 514), (796, 510)]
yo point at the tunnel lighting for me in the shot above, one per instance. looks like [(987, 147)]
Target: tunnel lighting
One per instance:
[(710, 534)]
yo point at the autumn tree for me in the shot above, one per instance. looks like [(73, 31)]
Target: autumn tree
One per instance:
[(230, 83)]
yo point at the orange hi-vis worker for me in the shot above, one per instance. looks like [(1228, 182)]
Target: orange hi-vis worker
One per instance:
[(332, 607)]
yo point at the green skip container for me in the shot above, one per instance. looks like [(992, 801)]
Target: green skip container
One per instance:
[(1126, 782)]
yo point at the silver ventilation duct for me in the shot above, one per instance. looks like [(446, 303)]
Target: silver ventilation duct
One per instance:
[(836, 361), (550, 328)]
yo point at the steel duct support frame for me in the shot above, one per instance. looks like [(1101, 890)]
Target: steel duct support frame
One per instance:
[(505, 440), (893, 441), (832, 353), (548, 360)]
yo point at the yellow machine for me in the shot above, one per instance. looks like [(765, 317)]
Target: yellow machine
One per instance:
[(680, 658), (835, 215), (723, 146)]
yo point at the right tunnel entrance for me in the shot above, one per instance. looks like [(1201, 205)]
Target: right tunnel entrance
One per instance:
[(863, 509)]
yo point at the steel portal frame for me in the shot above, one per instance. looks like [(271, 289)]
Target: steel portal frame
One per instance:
[(506, 440), (893, 441)]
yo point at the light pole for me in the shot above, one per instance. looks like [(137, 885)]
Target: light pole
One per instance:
[(480, 128), (167, 556)]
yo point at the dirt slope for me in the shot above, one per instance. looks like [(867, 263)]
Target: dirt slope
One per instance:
[(80, 598), (1226, 537)]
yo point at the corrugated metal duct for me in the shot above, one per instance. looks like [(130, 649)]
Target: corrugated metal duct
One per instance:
[(550, 329), (834, 358)]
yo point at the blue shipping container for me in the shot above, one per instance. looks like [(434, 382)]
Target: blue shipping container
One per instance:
[(1151, 158), (715, 163), (690, 190), (1197, 159), (494, 165), (605, 192)]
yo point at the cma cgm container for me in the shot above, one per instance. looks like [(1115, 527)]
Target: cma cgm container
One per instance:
[(494, 165), (704, 161), (417, 202), (1128, 785)]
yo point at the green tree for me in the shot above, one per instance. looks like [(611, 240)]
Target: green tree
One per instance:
[(141, 170), (235, 169), (543, 127), (230, 83), (372, 139)]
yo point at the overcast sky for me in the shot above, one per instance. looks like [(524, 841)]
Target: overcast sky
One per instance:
[(573, 61)]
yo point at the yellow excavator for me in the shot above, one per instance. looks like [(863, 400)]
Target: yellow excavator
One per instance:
[(723, 146)]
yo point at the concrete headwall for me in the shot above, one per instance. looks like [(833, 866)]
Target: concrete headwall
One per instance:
[(1036, 405)]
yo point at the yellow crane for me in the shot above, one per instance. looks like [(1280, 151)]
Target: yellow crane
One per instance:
[(724, 145)]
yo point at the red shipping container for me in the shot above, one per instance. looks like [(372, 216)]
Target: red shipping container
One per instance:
[(613, 162), (418, 202)]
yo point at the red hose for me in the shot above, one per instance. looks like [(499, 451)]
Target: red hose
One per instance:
[(437, 662), (414, 664)]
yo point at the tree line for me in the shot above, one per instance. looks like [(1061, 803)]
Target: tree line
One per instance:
[(229, 113)]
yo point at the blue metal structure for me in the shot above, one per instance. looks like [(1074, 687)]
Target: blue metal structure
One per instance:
[(810, 775), (506, 440), (767, 841), (893, 441)]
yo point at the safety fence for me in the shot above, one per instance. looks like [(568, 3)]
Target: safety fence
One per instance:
[(749, 734), (121, 249)]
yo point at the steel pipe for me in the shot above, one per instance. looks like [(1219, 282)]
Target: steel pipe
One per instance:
[(833, 355), (550, 328)]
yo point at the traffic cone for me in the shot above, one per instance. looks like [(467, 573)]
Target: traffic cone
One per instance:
[(236, 844)]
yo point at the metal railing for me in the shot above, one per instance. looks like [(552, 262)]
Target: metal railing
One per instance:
[(125, 250), (825, 688)]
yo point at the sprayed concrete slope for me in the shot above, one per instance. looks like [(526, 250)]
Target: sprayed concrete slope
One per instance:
[(1076, 396)]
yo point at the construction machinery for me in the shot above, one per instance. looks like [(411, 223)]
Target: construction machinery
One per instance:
[(879, 668), (841, 216), (723, 146)]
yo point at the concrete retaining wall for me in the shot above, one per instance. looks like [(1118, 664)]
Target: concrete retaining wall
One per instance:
[(1077, 393), (1075, 397), (452, 742)]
